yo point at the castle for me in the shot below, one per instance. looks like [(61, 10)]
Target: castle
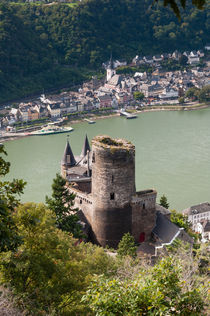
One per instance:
[(103, 181)]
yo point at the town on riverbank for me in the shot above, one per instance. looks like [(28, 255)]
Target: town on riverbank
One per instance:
[(177, 81)]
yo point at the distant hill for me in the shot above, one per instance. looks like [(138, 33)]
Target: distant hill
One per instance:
[(46, 46)]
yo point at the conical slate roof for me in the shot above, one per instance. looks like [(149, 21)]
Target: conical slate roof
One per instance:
[(85, 148), (68, 159)]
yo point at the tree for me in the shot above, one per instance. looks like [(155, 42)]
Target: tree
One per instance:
[(138, 95), (181, 100), (164, 289), (127, 246), (183, 60), (50, 271), (204, 94), (61, 203), (192, 93), (9, 193), (164, 201), (182, 221), (175, 4)]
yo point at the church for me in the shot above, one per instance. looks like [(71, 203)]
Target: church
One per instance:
[(103, 181)]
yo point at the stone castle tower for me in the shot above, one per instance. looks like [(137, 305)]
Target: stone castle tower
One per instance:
[(103, 181), (113, 185)]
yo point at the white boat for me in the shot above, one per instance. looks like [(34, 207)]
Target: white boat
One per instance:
[(51, 129), (89, 121)]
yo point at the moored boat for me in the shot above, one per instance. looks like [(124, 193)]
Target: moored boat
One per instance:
[(51, 129)]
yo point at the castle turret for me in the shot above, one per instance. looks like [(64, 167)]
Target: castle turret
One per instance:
[(113, 185), (68, 160), (85, 148)]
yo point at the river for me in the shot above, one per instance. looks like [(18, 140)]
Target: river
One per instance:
[(172, 154)]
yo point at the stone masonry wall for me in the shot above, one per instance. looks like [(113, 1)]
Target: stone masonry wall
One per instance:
[(113, 184), (143, 214)]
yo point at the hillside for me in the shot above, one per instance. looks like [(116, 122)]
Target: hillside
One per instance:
[(46, 46)]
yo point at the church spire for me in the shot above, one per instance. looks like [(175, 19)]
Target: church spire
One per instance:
[(110, 72), (86, 147), (68, 159)]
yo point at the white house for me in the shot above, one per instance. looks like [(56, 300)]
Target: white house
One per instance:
[(169, 93), (199, 215), (193, 58)]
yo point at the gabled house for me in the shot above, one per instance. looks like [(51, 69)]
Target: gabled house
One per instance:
[(150, 90), (176, 55), (193, 58), (24, 113), (54, 110), (105, 100), (33, 114), (169, 93)]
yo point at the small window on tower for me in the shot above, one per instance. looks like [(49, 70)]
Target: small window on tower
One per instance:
[(112, 179), (93, 157), (68, 159), (143, 206), (111, 196)]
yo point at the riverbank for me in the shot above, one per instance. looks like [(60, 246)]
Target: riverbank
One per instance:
[(153, 108)]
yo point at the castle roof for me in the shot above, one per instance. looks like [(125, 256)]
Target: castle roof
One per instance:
[(165, 229), (68, 159), (86, 147)]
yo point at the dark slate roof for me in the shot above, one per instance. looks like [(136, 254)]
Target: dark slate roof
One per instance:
[(196, 209), (207, 227), (165, 230), (68, 159), (85, 148)]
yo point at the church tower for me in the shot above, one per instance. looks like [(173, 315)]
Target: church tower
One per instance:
[(110, 72)]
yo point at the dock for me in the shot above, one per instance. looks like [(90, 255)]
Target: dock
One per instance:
[(128, 115)]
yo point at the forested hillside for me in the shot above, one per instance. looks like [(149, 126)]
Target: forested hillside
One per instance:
[(45, 46)]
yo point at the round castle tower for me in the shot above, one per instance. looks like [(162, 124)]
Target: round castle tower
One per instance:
[(113, 185)]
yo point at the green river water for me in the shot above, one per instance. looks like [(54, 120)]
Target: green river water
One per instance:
[(172, 154)]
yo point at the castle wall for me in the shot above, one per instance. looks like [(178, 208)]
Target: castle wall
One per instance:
[(143, 214), (113, 184), (83, 201)]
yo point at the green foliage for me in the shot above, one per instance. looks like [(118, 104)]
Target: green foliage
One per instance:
[(127, 246), (49, 271), (43, 46), (61, 203), (158, 290), (183, 60), (204, 94), (181, 100), (192, 93), (9, 193), (182, 221), (164, 201), (176, 4), (138, 95)]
